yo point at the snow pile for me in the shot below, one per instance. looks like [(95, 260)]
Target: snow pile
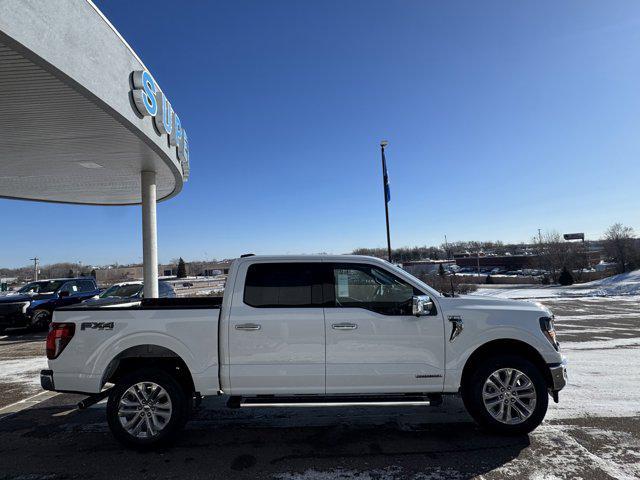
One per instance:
[(624, 284)]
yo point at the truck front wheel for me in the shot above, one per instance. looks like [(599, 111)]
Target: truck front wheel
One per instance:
[(506, 394), (146, 409), (40, 320)]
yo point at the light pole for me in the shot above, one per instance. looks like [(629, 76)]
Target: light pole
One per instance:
[(387, 195), (36, 261)]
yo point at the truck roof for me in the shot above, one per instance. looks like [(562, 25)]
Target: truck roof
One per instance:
[(65, 279), (321, 257)]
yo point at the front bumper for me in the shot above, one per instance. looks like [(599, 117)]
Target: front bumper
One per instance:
[(558, 373), (13, 316)]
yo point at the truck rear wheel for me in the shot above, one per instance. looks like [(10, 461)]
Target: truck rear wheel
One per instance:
[(506, 394), (146, 409)]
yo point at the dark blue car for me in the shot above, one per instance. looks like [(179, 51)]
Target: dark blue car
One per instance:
[(33, 305)]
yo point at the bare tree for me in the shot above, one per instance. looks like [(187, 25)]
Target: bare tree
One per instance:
[(619, 244), (554, 254)]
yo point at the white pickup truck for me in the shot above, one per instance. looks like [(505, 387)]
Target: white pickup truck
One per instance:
[(308, 331)]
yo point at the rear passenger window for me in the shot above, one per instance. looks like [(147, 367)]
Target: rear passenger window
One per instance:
[(283, 285), (86, 286)]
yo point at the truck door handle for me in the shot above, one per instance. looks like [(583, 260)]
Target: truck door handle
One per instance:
[(344, 326), (248, 326)]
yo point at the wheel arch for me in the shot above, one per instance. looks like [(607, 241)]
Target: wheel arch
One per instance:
[(146, 356), (504, 346)]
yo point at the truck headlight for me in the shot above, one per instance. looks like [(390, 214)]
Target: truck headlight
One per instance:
[(548, 328)]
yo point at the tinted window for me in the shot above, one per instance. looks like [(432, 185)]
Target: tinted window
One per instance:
[(283, 285), (122, 291), (71, 287), (86, 286), (365, 286), (43, 287)]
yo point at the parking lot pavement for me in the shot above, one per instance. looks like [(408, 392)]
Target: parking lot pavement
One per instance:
[(22, 356), (593, 433)]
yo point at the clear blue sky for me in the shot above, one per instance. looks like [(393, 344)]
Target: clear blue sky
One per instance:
[(503, 117)]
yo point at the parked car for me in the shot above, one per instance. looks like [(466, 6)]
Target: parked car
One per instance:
[(308, 331), (34, 303), (127, 292)]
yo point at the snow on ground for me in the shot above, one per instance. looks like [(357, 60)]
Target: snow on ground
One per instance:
[(600, 381), (25, 371), (625, 284)]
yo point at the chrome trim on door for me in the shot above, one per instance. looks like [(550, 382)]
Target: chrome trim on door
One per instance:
[(248, 327), (344, 326)]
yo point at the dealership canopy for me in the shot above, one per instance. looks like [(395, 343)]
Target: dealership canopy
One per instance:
[(82, 119)]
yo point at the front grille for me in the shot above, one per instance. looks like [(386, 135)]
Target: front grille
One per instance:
[(12, 313), (11, 307)]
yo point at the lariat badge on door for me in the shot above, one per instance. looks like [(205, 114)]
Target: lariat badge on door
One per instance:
[(457, 325)]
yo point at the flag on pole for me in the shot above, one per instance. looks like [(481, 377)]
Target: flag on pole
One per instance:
[(385, 175)]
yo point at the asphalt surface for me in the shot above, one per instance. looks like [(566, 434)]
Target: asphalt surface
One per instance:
[(53, 440), (16, 349)]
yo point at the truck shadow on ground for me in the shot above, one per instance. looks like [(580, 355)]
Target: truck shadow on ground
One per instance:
[(268, 443)]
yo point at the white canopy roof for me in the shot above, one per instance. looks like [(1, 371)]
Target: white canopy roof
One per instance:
[(69, 129)]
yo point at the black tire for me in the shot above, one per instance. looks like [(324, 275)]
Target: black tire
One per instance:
[(178, 416), (472, 395), (40, 320)]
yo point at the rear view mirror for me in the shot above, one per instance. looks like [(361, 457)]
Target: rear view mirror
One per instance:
[(422, 305), (63, 294)]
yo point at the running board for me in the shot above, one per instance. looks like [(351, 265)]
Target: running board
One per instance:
[(313, 401)]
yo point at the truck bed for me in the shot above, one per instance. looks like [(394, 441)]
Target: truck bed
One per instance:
[(176, 327)]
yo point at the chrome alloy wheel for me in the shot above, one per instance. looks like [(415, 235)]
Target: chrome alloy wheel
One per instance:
[(509, 396), (144, 409)]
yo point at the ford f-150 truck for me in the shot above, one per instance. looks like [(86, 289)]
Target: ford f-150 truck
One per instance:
[(308, 331), (33, 304)]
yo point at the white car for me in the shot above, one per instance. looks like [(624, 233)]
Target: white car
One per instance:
[(308, 330), (129, 293)]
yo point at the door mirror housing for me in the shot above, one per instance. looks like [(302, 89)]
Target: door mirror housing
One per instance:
[(422, 305), (63, 294)]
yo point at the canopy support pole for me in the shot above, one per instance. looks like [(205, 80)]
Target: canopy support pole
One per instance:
[(149, 235)]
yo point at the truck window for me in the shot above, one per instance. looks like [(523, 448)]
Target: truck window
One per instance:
[(86, 286), (366, 286), (71, 287), (282, 285)]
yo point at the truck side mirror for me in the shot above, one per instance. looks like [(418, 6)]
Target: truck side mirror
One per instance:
[(422, 305)]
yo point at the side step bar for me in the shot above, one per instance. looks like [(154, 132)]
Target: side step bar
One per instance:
[(312, 401)]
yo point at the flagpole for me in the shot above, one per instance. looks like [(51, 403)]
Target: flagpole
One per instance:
[(385, 192)]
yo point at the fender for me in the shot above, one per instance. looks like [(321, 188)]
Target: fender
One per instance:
[(458, 354)]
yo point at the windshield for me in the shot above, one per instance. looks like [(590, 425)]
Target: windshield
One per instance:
[(122, 291), (41, 287)]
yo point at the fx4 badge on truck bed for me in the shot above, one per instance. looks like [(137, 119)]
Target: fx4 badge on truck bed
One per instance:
[(96, 325)]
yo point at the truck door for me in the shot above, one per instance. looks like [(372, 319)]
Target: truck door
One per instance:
[(276, 329), (374, 343)]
